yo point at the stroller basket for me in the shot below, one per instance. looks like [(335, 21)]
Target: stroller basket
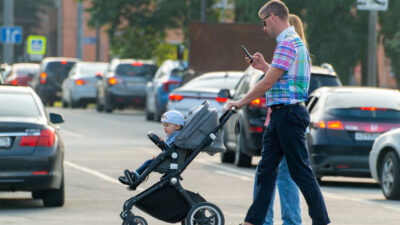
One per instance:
[(167, 204)]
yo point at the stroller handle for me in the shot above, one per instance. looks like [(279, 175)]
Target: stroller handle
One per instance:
[(225, 117)]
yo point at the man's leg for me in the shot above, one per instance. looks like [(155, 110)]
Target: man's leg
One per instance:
[(292, 139), (269, 219), (289, 196), (266, 176)]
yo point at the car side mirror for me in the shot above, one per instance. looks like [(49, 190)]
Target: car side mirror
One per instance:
[(56, 118), (224, 93)]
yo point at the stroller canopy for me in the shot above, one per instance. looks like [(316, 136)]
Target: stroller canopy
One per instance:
[(200, 122)]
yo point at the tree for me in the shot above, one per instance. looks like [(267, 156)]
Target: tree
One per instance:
[(137, 28)]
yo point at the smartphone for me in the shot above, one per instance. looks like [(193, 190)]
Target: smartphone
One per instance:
[(247, 53)]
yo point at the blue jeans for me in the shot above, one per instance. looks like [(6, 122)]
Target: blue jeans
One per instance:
[(289, 198), (144, 166), (285, 136)]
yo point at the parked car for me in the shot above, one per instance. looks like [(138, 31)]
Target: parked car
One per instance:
[(201, 88), (384, 163), (31, 148), (80, 87), (22, 74), (344, 122), (168, 77), (52, 72), (5, 70), (124, 84), (242, 146)]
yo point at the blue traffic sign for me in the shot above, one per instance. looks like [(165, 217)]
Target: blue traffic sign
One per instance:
[(11, 35)]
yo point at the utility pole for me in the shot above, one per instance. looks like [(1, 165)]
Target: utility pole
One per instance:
[(371, 78), (59, 28), (97, 41), (203, 11), (79, 33), (8, 48)]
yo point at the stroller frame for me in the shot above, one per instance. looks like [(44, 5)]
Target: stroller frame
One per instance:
[(172, 177)]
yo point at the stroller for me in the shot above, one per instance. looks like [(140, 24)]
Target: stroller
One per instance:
[(167, 200)]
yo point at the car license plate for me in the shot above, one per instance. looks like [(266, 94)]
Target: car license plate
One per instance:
[(366, 136), (5, 142)]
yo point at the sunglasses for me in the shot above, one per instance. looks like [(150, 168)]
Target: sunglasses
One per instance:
[(263, 19)]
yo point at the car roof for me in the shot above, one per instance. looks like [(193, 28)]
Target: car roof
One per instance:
[(322, 71), (25, 65), (119, 61), (55, 59), (221, 73), (356, 89), (15, 89)]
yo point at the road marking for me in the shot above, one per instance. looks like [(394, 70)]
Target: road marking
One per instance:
[(96, 173), (250, 176), (73, 134)]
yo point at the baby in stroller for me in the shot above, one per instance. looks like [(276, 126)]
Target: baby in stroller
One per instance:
[(172, 122), (167, 200)]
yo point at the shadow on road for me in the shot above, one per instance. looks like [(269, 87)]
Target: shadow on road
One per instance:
[(350, 184), (20, 203)]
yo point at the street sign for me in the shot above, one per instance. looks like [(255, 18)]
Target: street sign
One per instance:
[(11, 35), (36, 45), (376, 5), (89, 40)]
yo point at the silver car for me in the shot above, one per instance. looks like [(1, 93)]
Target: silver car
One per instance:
[(79, 88), (384, 163)]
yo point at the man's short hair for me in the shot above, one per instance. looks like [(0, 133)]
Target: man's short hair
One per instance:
[(277, 7)]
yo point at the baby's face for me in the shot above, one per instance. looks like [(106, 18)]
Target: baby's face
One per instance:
[(170, 128)]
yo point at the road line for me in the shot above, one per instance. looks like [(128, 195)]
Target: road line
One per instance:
[(96, 173), (73, 134), (250, 176)]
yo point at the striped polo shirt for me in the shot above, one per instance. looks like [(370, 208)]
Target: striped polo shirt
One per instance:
[(291, 55)]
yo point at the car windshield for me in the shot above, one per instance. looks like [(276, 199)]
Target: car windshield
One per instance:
[(58, 69), (18, 105), (317, 81), (90, 70), (26, 71), (136, 69), (364, 105), (228, 82)]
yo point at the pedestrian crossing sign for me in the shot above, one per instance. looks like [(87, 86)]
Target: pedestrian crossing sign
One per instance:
[(36, 45)]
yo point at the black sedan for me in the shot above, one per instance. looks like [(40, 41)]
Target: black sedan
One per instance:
[(31, 149), (344, 123)]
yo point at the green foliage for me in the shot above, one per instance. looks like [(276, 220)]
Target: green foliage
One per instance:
[(137, 29), (392, 47)]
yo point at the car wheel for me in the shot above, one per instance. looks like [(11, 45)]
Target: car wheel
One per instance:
[(228, 157), (73, 104), (149, 115), (64, 104), (157, 114), (390, 176), (241, 159), (99, 106), (54, 198), (108, 106), (37, 194)]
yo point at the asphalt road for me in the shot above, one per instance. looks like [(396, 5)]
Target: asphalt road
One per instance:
[(100, 146)]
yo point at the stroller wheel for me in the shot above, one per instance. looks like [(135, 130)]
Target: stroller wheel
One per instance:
[(134, 220), (204, 213)]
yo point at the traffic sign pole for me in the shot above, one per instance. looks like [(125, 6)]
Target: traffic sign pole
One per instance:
[(8, 49)]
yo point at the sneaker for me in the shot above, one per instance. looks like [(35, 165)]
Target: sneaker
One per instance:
[(123, 180), (130, 177)]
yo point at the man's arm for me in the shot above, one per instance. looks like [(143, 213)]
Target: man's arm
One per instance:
[(261, 88)]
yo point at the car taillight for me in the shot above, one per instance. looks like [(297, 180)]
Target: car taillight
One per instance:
[(80, 82), (372, 109), (167, 83), (173, 97), (335, 125), (256, 129), (258, 103), (221, 100), (137, 64), (112, 80), (45, 139), (43, 77), (64, 62), (14, 82)]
